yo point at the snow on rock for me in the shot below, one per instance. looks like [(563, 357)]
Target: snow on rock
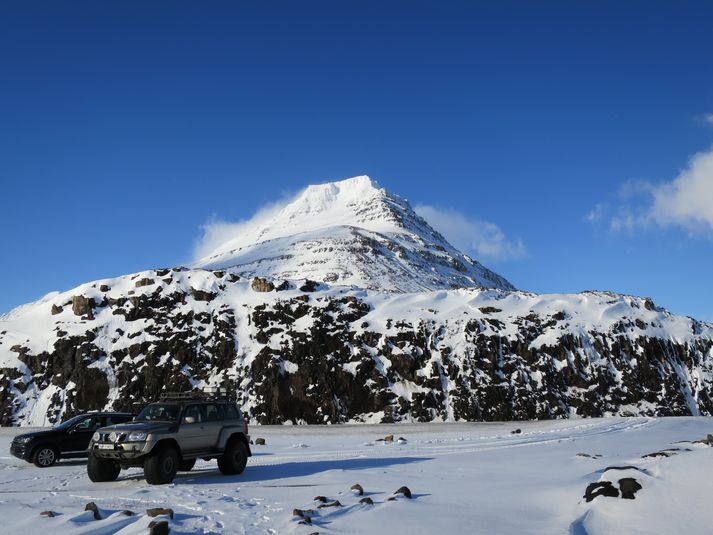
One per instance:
[(346, 306), (350, 355), (351, 232)]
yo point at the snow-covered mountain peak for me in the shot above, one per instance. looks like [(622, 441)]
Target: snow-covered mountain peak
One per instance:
[(350, 232)]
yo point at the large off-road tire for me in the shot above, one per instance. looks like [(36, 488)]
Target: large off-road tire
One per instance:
[(186, 465), (45, 456), (101, 470), (161, 467), (234, 458)]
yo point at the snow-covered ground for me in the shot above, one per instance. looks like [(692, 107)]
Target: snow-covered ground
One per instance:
[(464, 478)]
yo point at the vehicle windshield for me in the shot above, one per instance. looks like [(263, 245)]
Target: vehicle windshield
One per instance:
[(159, 411), (69, 423)]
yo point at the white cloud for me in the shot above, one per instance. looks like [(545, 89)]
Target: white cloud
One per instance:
[(706, 118), (685, 202), (688, 199), (480, 238), (216, 232)]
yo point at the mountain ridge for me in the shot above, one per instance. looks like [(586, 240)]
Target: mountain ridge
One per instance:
[(351, 232)]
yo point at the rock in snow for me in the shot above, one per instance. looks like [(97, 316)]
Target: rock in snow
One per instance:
[(395, 324)]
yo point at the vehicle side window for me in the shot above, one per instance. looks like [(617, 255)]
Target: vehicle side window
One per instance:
[(87, 424), (192, 415), (228, 412), (211, 413)]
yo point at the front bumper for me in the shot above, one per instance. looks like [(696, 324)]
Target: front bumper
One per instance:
[(21, 450), (120, 451)]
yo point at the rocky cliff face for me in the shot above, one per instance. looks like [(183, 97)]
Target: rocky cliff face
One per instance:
[(306, 352)]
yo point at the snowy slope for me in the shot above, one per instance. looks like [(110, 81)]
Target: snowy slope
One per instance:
[(351, 232), (464, 478), (341, 354)]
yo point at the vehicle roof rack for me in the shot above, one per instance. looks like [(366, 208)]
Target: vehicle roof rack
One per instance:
[(209, 393)]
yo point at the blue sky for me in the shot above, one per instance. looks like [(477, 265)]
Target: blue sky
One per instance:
[(555, 140)]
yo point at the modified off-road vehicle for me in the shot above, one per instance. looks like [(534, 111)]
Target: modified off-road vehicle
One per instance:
[(169, 435)]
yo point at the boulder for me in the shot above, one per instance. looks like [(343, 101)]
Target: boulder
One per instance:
[(157, 511), (144, 282), (309, 286), (262, 285), (405, 491), (56, 309), (82, 306), (600, 488), (628, 487), (284, 285), (335, 503), (367, 501), (159, 527), (91, 506), (322, 499), (104, 288), (357, 489), (259, 441), (389, 438), (48, 514)]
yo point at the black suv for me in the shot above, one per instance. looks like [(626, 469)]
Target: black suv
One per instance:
[(68, 439), (170, 435)]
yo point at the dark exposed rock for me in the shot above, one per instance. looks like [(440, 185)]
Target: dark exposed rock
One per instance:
[(309, 286), (49, 514), (259, 441), (104, 288), (662, 453), (144, 282), (322, 499), (284, 285), (262, 285), (367, 501), (159, 527), (56, 309), (405, 491), (516, 431), (600, 488), (629, 486), (357, 489), (82, 306), (157, 511), (91, 506), (335, 503), (200, 295)]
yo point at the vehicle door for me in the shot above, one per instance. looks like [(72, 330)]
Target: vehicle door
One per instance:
[(212, 427), (80, 434), (191, 429)]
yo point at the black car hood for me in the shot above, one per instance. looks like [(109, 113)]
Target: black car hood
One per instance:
[(145, 427), (40, 434)]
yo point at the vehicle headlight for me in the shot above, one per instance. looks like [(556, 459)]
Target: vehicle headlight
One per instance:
[(111, 437), (96, 437), (136, 436), (23, 440)]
